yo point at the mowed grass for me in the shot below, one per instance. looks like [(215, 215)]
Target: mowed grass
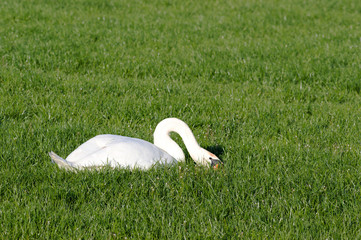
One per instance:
[(272, 87)]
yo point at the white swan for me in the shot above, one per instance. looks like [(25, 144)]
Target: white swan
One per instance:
[(120, 151)]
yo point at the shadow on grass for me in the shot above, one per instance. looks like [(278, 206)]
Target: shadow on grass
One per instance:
[(218, 150)]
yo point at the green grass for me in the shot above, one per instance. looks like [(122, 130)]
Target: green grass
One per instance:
[(273, 87)]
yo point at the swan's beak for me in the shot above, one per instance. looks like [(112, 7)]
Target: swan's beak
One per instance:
[(216, 163)]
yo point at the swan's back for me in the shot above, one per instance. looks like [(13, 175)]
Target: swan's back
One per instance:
[(118, 151)]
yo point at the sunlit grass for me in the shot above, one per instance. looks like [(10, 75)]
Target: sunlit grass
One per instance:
[(272, 87)]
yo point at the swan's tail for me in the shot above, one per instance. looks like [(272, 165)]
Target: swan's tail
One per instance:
[(62, 163)]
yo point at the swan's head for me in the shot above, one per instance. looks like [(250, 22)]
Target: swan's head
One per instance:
[(208, 159)]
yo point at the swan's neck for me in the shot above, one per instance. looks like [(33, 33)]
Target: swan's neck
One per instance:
[(164, 141)]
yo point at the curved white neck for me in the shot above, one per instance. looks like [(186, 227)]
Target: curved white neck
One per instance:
[(164, 141)]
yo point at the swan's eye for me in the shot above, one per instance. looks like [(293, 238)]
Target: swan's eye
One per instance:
[(210, 158)]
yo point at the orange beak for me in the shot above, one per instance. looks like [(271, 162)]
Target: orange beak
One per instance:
[(216, 163)]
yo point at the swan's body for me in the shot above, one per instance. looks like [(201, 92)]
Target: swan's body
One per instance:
[(126, 152)]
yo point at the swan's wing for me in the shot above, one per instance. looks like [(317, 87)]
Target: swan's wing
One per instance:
[(137, 153), (93, 147), (118, 151)]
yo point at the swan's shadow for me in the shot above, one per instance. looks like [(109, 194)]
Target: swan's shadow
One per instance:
[(218, 150)]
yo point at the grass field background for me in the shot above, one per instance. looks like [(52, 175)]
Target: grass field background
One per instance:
[(273, 87)]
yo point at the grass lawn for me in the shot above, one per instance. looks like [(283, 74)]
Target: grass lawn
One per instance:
[(272, 87)]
